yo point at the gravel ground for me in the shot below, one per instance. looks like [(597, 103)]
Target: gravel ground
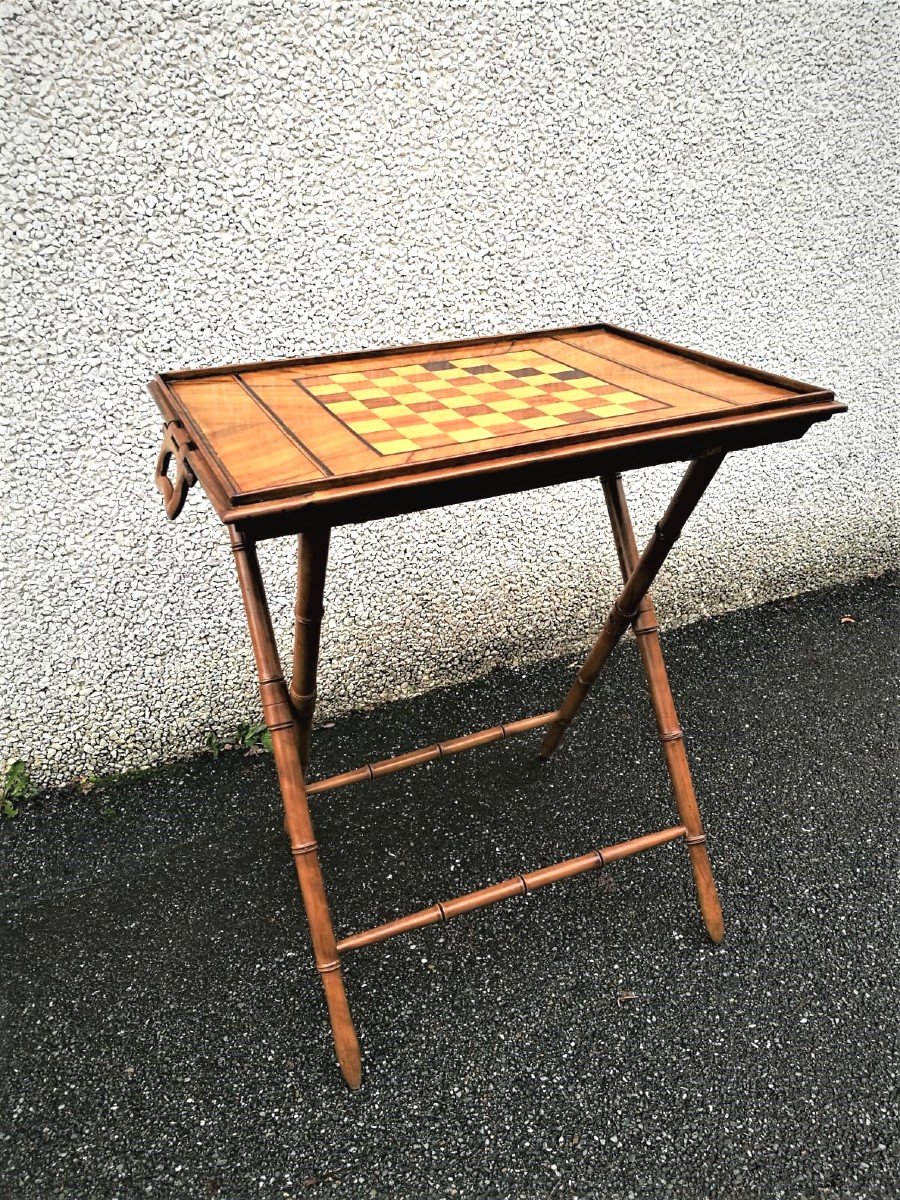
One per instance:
[(163, 1032)]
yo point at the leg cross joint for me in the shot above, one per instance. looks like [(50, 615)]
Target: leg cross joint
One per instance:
[(626, 616)]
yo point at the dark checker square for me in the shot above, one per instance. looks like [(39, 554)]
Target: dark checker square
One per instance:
[(426, 405)]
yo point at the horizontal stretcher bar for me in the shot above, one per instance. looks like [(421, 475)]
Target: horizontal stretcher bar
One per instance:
[(386, 766), (519, 885)]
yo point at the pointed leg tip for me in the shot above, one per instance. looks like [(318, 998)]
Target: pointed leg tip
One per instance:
[(352, 1073), (716, 931), (349, 1059)]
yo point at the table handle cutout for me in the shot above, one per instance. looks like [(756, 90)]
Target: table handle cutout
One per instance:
[(175, 445)]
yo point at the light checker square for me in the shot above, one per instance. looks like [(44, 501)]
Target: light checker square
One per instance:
[(468, 398)]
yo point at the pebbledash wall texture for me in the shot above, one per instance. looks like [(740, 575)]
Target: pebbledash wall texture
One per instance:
[(194, 183)]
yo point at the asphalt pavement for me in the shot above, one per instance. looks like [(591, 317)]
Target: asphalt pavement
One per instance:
[(163, 1032)]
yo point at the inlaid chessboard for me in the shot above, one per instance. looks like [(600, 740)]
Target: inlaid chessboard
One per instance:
[(468, 398)]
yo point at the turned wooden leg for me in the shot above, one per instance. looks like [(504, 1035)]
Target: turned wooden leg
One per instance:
[(670, 732), (279, 716), (692, 486), (312, 563)]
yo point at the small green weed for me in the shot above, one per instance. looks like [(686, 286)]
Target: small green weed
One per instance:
[(213, 745), (251, 736), (17, 786)]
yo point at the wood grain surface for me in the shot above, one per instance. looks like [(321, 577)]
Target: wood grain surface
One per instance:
[(269, 438)]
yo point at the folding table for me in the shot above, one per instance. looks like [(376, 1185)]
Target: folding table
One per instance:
[(297, 446)]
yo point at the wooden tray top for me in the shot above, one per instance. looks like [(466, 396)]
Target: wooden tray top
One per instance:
[(288, 430)]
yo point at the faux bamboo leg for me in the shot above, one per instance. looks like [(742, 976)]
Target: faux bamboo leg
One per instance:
[(692, 486), (279, 716), (312, 562), (670, 732)]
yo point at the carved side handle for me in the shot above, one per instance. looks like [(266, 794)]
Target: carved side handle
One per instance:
[(174, 446)]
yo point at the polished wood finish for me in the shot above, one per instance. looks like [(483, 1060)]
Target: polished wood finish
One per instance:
[(519, 885), (298, 446), (414, 758), (671, 735), (312, 563), (279, 717), (277, 450), (696, 479)]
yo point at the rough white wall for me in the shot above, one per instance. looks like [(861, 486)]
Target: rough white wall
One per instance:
[(197, 182)]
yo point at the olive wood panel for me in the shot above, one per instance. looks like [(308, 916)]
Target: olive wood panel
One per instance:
[(248, 445), (684, 372)]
